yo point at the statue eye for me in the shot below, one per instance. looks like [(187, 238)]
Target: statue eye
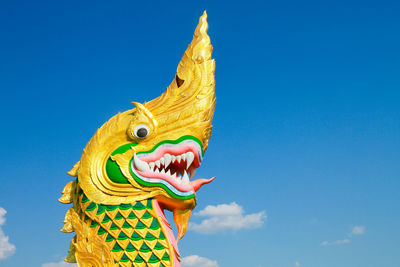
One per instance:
[(141, 131)]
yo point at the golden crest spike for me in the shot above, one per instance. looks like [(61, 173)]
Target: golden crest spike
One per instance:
[(201, 44), (191, 94)]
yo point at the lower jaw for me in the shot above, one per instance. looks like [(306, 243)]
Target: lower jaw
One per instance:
[(176, 191)]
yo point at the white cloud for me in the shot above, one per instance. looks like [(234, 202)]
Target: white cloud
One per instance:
[(197, 261), (6, 248), (343, 241), (297, 264), (337, 242), (59, 264), (226, 216), (358, 230), (324, 243)]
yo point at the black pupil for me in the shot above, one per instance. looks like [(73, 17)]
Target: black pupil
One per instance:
[(142, 132)]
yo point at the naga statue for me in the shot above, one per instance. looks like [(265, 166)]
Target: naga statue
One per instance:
[(139, 164)]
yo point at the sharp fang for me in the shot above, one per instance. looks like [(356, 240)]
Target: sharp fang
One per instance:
[(151, 165), (162, 161), (157, 171), (185, 179), (178, 159), (183, 157), (162, 171), (173, 158), (189, 159), (168, 173), (167, 160), (141, 165), (158, 163)]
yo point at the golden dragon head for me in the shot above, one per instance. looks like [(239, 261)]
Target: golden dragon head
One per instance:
[(154, 149)]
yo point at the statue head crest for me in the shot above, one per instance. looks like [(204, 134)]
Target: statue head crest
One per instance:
[(153, 150)]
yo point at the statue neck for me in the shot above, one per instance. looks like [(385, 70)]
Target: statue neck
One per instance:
[(136, 234)]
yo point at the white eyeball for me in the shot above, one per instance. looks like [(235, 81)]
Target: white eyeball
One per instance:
[(141, 131)]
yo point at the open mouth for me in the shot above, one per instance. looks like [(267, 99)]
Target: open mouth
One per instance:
[(171, 165)]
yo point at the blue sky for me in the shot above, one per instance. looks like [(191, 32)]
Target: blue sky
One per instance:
[(306, 129)]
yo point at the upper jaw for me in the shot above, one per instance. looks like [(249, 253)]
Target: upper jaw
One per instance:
[(170, 164)]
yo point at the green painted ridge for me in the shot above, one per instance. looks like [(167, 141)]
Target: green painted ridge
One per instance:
[(146, 215), (138, 259), (116, 248), (113, 226), (135, 237), (149, 237), (100, 209), (149, 204), (138, 206), (111, 207), (144, 248), (130, 248), (126, 225), (165, 257), (101, 231), (140, 225), (84, 199), (132, 215), (153, 259), (106, 219), (93, 224), (118, 216), (125, 206), (162, 236), (154, 225), (124, 258), (91, 206), (122, 236), (158, 246), (109, 238)]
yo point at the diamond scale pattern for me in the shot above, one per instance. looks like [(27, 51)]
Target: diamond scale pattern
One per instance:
[(131, 230)]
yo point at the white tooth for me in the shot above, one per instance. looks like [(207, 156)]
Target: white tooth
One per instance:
[(173, 158), (141, 165), (178, 159), (179, 179), (157, 171), (189, 159), (185, 179), (162, 171), (183, 156), (151, 165), (167, 160), (168, 172), (158, 163), (173, 175), (162, 161)]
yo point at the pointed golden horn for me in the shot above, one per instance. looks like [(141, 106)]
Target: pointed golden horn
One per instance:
[(195, 73), (190, 98), (200, 49)]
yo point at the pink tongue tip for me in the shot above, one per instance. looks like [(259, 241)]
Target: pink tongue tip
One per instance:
[(200, 182)]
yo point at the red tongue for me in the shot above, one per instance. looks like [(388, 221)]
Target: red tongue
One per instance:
[(200, 182)]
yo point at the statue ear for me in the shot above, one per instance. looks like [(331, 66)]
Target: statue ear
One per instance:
[(142, 116)]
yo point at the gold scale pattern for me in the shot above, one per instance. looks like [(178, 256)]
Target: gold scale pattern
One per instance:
[(132, 232)]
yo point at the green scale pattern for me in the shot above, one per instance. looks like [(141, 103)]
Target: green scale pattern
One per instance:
[(93, 216)]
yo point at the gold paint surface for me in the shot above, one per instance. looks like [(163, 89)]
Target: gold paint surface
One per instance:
[(185, 108)]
